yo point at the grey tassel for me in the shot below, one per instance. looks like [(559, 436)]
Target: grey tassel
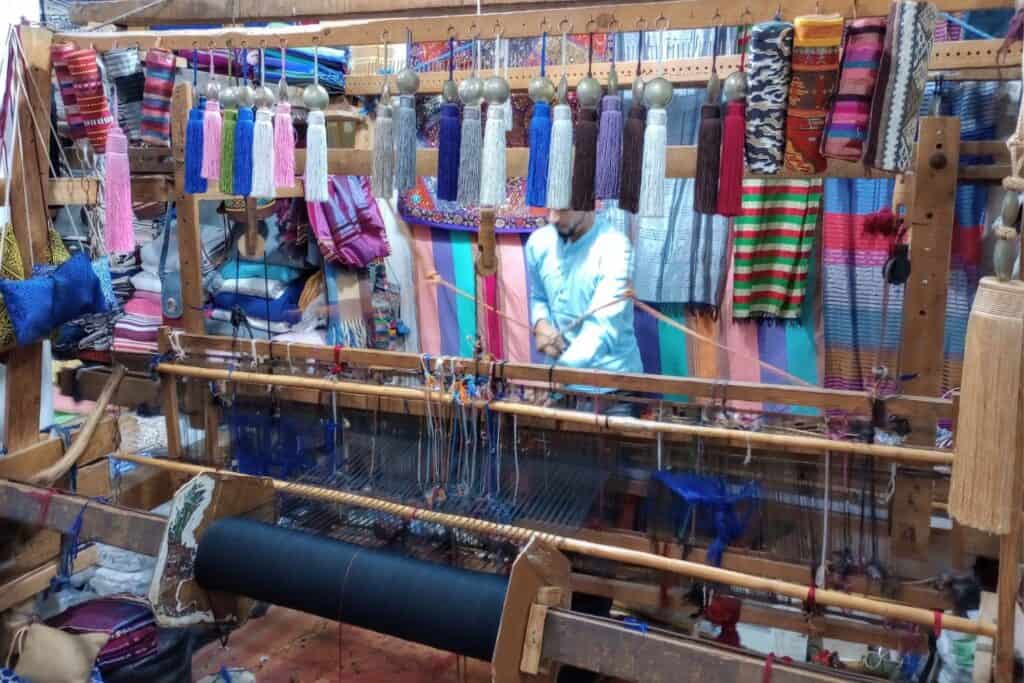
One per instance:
[(383, 179), (405, 143), (470, 157)]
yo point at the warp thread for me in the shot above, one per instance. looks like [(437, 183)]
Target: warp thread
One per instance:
[(382, 177), (470, 148), (449, 140), (540, 149), (652, 181), (560, 159), (227, 151), (284, 146), (405, 143), (263, 155), (241, 178), (709, 154), (194, 180), (632, 159), (730, 174), (316, 157), (119, 228), (609, 148), (584, 163), (493, 178), (212, 131)]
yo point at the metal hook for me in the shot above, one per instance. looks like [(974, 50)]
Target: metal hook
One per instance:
[(562, 24), (590, 22), (614, 25), (385, 36), (474, 31), (662, 18), (641, 24), (499, 30), (543, 24), (716, 20), (451, 31)]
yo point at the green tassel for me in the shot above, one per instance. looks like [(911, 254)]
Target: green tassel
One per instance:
[(227, 151)]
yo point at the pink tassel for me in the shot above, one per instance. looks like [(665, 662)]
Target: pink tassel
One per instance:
[(284, 146), (212, 125), (119, 232)]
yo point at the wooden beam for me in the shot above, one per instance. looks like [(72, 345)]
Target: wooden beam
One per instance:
[(86, 383), (18, 590), (189, 240), (24, 463)]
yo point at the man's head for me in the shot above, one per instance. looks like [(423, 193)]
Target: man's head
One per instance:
[(568, 223)]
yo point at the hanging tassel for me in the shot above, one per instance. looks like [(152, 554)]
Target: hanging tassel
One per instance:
[(632, 159), (194, 180), (470, 157), (560, 159), (584, 163), (540, 145), (383, 178), (609, 148), (652, 181), (316, 157), (492, 165), (119, 230), (450, 138), (709, 151), (730, 176), (212, 130), (227, 151), (405, 143), (241, 180), (263, 156), (284, 146)]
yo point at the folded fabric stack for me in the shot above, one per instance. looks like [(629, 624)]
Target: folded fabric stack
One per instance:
[(137, 330), (348, 227), (267, 294), (128, 622)]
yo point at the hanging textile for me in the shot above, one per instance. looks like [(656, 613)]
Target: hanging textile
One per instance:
[(773, 241), (421, 206), (771, 44), (90, 97), (66, 87), (156, 97), (847, 125), (815, 72), (348, 227), (903, 71)]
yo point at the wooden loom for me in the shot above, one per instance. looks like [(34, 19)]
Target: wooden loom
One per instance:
[(564, 636)]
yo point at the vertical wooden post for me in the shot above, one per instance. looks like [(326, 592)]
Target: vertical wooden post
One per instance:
[(1009, 575), (29, 182), (169, 398), (930, 216)]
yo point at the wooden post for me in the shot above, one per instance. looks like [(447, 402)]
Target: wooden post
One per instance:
[(30, 179), (169, 398), (930, 216), (1009, 575)]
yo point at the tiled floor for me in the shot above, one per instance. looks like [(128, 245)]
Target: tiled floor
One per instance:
[(287, 646)]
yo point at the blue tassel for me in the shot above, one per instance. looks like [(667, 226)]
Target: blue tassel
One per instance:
[(448, 153), (195, 183), (242, 175), (540, 146)]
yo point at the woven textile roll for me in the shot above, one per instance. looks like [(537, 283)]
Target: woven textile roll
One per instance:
[(771, 44), (815, 68), (847, 125), (59, 56), (92, 101), (902, 74), (988, 425), (156, 97), (121, 62)]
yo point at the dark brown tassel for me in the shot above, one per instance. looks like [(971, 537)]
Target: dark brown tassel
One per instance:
[(632, 159), (584, 164), (709, 148)]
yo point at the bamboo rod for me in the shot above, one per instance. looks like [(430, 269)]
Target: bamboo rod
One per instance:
[(913, 456), (696, 570)]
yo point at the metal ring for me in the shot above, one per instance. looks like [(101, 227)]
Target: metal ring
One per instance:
[(451, 31), (385, 36), (561, 26), (590, 22), (662, 18)]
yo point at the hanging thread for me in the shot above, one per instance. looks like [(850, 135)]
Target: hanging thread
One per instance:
[(194, 180), (584, 165), (633, 144), (241, 180), (284, 135), (471, 141), (539, 134), (119, 228), (493, 178), (560, 154), (405, 124), (609, 139), (227, 147), (263, 160), (709, 144), (449, 140), (657, 94), (316, 142)]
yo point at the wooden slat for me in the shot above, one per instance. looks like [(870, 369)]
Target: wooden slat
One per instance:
[(23, 463), (22, 588), (189, 241)]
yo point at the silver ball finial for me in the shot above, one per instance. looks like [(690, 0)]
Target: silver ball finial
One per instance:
[(213, 90), (735, 87), (315, 96), (246, 96), (229, 97), (541, 89), (408, 81), (471, 91), (496, 90), (450, 91), (657, 93), (588, 92), (264, 97)]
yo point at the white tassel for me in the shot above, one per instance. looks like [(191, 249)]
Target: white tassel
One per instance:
[(382, 178), (492, 165), (263, 155), (652, 182), (506, 109), (316, 157), (560, 159)]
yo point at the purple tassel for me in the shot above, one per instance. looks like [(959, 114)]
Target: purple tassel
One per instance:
[(449, 142), (609, 148)]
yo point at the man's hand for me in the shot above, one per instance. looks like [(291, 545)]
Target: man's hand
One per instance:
[(548, 339)]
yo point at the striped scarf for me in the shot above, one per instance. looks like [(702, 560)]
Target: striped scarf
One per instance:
[(773, 241), (156, 97), (847, 125), (815, 72), (59, 55), (903, 72), (92, 100)]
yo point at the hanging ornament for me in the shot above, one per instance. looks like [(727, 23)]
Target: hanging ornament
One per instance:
[(584, 164), (408, 82), (450, 136), (507, 107), (657, 95), (284, 135), (541, 91), (194, 180), (493, 158), (119, 226), (229, 102), (471, 92), (241, 178), (315, 97), (633, 139), (212, 128), (609, 138), (560, 154), (263, 139), (709, 142), (382, 177), (730, 175)]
